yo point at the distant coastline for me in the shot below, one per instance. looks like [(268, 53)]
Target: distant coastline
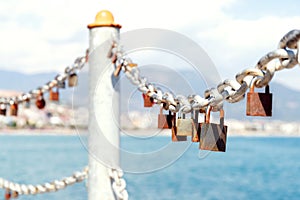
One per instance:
[(135, 132)]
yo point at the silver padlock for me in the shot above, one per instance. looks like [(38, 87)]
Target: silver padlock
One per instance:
[(185, 126)]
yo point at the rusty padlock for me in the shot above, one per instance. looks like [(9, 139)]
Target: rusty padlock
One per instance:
[(213, 136), (73, 80), (165, 120), (259, 104), (185, 126), (40, 101), (54, 95), (2, 109), (13, 108), (148, 101), (175, 137)]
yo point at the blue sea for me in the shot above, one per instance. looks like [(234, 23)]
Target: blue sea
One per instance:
[(251, 168)]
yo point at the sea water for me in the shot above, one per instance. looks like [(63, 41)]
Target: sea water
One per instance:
[(251, 168)]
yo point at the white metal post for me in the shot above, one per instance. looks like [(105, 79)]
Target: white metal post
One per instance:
[(103, 124)]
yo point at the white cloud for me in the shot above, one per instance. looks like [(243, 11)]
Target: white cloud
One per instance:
[(38, 35), (236, 44), (35, 35)]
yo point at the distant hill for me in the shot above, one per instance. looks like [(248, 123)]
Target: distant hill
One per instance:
[(286, 101)]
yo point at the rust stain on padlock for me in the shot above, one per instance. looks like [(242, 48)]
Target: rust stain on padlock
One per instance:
[(259, 104)]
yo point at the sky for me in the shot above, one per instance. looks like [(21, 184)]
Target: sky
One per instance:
[(42, 36)]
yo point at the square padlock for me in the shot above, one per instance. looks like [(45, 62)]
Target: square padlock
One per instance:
[(185, 127), (54, 95), (213, 136), (165, 120), (259, 104)]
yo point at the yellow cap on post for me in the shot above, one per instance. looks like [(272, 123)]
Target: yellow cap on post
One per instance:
[(104, 18)]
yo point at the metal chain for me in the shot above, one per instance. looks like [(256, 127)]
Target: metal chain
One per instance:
[(78, 64), (285, 57), (53, 186), (119, 184)]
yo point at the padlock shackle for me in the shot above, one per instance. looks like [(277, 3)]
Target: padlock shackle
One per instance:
[(52, 90), (180, 113), (207, 115), (267, 89), (252, 87)]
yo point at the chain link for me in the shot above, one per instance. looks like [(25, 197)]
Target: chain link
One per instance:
[(78, 64), (53, 186), (285, 57), (119, 184)]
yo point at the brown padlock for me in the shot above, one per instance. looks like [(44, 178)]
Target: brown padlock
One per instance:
[(259, 104), (213, 136), (13, 108), (40, 101), (148, 101), (54, 95), (2, 109), (175, 137), (73, 80), (165, 120)]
